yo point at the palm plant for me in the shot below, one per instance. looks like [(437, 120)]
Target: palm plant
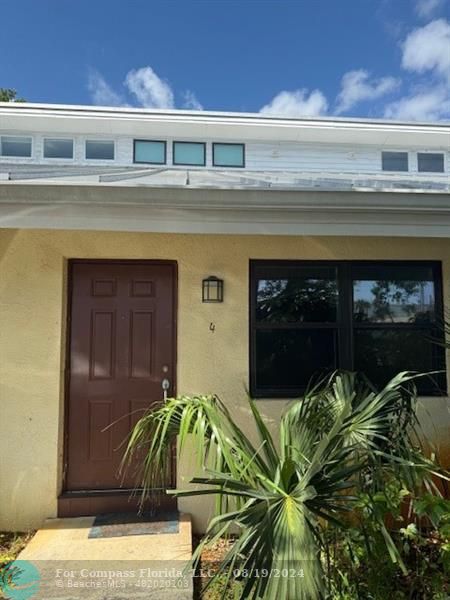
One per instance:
[(444, 327), (340, 438)]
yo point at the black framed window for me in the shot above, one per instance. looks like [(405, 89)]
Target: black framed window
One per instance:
[(228, 154), (189, 153), (310, 317), (149, 152), (394, 161), (430, 162)]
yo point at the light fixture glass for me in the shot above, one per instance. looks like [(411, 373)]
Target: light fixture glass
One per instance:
[(212, 289)]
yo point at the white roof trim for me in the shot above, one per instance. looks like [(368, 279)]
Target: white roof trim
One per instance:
[(217, 211), (207, 116), (86, 120)]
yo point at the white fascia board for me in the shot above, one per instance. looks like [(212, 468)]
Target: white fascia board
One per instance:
[(224, 212), (16, 117), (121, 182)]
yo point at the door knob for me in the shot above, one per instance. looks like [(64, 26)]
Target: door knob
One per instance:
[(165, 384)]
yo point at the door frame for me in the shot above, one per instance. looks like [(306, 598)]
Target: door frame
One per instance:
[(71, 503)]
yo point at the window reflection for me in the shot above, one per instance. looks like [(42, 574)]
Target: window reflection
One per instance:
[(380, 296), (15, 146), (393, 302), (297, 299)]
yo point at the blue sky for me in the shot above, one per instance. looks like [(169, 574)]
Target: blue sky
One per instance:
[(376, 58)]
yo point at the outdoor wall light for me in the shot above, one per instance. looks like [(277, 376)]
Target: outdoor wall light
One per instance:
[(212, 289)]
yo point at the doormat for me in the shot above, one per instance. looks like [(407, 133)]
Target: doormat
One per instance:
[(121, 524)]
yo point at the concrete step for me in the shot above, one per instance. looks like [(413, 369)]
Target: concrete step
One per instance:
[(73, 566)]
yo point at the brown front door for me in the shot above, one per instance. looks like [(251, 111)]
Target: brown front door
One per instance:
[(122, 332)]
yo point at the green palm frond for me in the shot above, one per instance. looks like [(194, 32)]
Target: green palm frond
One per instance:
[(340, 437)]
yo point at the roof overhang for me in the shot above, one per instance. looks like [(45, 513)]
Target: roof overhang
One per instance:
[(224, 211), (83, 120)]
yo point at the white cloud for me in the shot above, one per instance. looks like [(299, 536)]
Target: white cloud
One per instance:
[(296, 104), (428, 49), (426, 8), (356, 87), (149, 89), (425, 53), (190, 101), (432, 104), (101, 92)]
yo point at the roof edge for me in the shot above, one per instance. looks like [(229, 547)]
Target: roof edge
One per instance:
[(96, 111)]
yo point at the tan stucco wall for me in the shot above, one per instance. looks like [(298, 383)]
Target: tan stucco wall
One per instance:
[(32, 328)]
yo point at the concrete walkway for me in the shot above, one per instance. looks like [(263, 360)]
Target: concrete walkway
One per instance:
[(73, 566)]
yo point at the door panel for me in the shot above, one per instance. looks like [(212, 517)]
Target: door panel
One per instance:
[(122, 332)]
